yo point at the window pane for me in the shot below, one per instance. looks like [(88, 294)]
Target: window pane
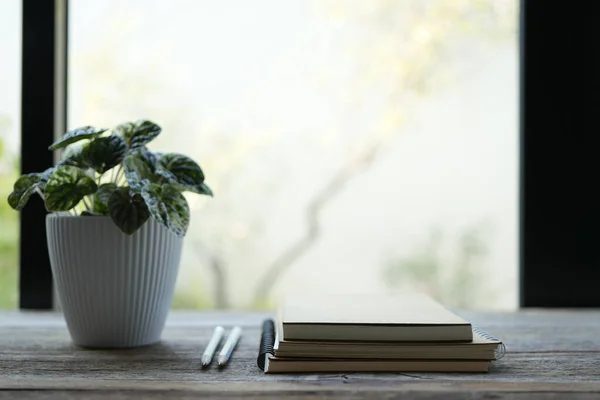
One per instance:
[(351, 145), (10, 115)]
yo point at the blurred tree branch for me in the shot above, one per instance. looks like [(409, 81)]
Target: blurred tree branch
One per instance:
[(219, 272), (313, 226), (411, 42)]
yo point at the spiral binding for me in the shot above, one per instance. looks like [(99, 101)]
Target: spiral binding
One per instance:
[(267, 341), (500, 350)]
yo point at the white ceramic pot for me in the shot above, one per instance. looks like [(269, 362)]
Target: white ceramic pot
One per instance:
[(115, 289)]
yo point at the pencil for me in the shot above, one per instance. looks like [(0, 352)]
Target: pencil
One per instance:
[(229, 346), (209, 352)]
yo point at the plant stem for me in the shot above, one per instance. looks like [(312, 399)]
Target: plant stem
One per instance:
[(38, 191), (87, 204)]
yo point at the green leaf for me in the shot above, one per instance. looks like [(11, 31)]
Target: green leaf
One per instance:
[(104, 191), (124, 130), (168, 207), (127, 210), (23, 188), (66, 187), (45, 177), (204, 189), (101, 198), (104, 153), (140, 165), (74, 160), (26, 185), (138, 134), (73, 156), (182, 171), (86, 132)]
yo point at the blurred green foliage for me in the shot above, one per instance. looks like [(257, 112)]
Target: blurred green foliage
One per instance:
[(196, 300), (9, 231), (448, 267)]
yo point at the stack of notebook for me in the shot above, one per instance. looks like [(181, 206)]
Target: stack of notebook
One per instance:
[(340, 333)]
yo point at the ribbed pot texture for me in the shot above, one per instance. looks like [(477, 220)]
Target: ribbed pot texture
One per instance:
[(115, 289)]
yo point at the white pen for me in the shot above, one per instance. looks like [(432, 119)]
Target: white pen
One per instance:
[(229, 346), (209, 352)]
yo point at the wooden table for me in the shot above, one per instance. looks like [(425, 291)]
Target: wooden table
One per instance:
[(551, 354)]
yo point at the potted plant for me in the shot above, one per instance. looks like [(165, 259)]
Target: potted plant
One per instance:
[(115, 230)]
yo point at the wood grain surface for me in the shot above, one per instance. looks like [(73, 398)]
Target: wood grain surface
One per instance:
[(551, 354)]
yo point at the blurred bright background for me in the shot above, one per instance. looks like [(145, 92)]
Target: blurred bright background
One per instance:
[(353, 146), (10, 117)]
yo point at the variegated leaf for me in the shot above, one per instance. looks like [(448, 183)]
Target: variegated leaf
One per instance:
[(23, 189), (124, 130), (66, 187), (73, 156), (26, 185), (139, 165), (183, 172), (138, 134), (101, 197), (204, 189), (127, 210), (86, 132), (104, 153), (167, 206)]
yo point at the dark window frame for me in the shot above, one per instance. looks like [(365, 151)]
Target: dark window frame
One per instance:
[(558, 208), (43, 113)]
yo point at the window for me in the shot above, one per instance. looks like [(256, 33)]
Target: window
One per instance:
[(352, 146), (10, 80)]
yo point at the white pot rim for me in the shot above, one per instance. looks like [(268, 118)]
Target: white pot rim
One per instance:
[(56, 215)]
